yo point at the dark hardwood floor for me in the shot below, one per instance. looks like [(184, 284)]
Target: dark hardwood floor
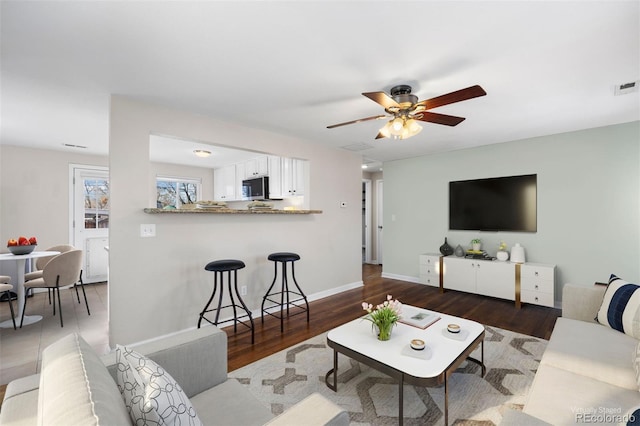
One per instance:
[(332, 311)]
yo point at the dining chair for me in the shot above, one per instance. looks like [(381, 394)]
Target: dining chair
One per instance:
[(42, 261), (63, 270), (6, 288)]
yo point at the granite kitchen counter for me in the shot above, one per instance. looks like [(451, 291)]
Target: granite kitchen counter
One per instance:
[(228, 211)]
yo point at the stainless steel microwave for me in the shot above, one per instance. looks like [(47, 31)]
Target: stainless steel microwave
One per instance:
[(255, 188)]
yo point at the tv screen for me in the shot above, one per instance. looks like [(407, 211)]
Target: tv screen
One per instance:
[(494, 204)]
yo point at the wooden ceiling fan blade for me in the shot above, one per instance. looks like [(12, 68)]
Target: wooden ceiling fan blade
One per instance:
[(375, 117), (380, 135), (432, 117), (453, 97), (382, 98)]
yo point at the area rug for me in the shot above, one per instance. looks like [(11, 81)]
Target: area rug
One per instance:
[(371, 398)]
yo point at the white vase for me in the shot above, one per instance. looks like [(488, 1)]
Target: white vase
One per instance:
[(502, 255), (517, 253)]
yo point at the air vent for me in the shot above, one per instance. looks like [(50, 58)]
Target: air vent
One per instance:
[(625, 88), (70, 145), (357, 147)]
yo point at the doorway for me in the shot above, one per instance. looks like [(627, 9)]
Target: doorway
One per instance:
[(366, 220), (90, 219), (379, 221)]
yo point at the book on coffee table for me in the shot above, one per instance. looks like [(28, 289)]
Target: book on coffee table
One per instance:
[(417, 317)]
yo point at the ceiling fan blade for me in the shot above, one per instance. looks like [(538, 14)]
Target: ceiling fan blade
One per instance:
[(432, 117), (382, 98), (380, 135), (457, 96), (375, 117)]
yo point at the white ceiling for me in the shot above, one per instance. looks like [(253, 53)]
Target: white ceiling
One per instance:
[(295, 67)]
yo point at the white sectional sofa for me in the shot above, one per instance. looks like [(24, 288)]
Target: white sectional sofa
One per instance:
[(587, 374), (77, 387)]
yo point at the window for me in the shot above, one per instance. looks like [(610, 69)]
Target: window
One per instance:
[(96, 203), (174, 192)]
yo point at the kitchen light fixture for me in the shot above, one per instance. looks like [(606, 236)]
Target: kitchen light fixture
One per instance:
[(202, 153)]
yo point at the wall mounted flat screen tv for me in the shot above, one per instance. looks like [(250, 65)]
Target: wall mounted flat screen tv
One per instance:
[(494, 204)]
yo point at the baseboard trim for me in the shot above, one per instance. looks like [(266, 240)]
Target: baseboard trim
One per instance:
[(257, 313), (407, 278)]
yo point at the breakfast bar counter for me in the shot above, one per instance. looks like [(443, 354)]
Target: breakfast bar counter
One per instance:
[(228, 211)]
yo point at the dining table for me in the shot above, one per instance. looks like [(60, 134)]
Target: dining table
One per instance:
[(21, 262)]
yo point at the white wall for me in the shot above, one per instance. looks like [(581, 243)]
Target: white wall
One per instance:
[(158, 285), (588, 203), (34, 197)]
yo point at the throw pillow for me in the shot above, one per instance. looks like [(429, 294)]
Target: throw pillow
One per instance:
[(620, 307), (636, 364), (631, 417), (151, 395)]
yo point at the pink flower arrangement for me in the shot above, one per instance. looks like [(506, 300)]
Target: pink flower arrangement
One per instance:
[(384, 316)]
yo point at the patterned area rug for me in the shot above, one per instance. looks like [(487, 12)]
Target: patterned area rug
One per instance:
[(371, 398)]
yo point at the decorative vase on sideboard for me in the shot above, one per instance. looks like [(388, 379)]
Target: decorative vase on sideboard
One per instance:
[(517, 253), (446, 249)]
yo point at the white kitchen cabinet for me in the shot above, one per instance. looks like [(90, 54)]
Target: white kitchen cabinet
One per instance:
[(275, 177), (241, 175), (430, 269), (293, 176), (537, 284), (256, 167), (224, 183)]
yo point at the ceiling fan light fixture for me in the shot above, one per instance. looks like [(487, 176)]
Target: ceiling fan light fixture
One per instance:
[(397, 125), (202, 153), (413, 128)]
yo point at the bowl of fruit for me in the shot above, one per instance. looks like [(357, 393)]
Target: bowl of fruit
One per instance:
[(22, 245)]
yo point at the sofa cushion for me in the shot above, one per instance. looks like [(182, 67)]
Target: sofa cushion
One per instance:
[(592, 350), (151, 395), (76, 388), (230, 403), (636, 364), (561, 397), (620, 307)]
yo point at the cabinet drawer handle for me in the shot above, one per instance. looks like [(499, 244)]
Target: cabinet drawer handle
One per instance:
[(536, 273), (536, 286), (536, 298)]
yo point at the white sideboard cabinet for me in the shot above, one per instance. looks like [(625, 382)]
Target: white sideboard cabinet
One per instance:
[(523, 283), (430, 269), (537, 283), (495, 279)]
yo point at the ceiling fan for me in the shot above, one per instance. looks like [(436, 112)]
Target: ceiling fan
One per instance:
[(404, 109)]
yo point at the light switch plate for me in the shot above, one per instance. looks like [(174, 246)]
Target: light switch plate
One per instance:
[(148, 230)]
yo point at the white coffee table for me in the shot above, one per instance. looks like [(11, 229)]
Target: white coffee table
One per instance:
[(443, 353)]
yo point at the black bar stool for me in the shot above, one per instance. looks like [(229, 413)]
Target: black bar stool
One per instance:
[(284, 292), (219, 267)]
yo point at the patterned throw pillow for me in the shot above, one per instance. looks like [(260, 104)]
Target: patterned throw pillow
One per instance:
[(151, 395), (620, 307)]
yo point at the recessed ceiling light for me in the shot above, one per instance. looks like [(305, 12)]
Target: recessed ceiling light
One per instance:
[(203, 153)]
